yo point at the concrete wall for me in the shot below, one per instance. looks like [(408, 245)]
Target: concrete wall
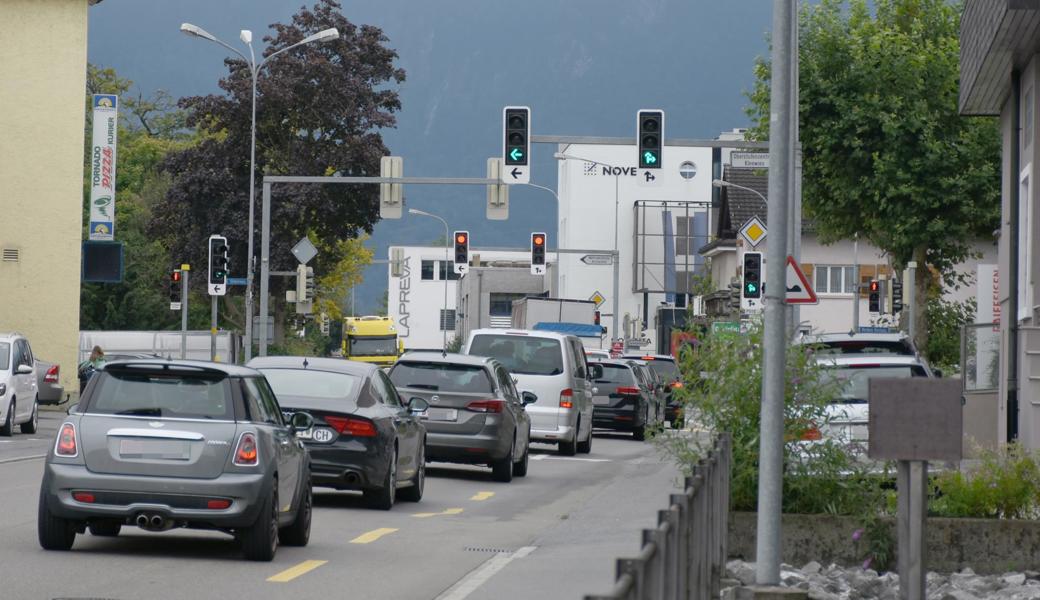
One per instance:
[(988, 546), (41, 164), (476, 287)]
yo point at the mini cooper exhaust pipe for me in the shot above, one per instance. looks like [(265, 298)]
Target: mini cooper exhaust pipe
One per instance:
[(153, 522), (142, 521)]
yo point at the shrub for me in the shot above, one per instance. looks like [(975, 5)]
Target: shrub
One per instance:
[(1004, 485)]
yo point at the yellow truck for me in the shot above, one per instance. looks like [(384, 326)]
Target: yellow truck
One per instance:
[(371, 339)]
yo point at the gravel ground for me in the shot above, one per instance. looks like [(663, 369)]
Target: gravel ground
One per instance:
[(834, 583)]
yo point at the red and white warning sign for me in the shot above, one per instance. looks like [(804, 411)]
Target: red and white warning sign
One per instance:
[(799, 290)]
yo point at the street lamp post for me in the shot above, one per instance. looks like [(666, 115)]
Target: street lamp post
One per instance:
[(447, 257), (326, 35), (617, 183)]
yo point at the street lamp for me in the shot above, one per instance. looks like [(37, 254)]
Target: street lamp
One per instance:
[(720, 183), (326, 35), (617, 183), (447, 256)]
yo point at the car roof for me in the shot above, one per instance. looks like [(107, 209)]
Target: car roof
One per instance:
[(611, 361), (819, 338), (451, 358), (647, 357), (10, 335), (521, 333), (164, 364), (336, 365), (846, 360)]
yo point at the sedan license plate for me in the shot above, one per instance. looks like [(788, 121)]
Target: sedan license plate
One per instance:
[(441, 414), (166, 449), (600, 400), (322, 435)]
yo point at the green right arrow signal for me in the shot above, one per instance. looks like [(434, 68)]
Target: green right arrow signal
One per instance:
[(649, 157)]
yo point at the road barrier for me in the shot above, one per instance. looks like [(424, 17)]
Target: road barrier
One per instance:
[(683, 558)]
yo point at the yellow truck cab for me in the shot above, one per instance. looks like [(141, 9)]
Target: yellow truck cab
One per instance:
[(371, 339)]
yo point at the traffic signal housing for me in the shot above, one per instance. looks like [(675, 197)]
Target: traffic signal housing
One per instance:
[(650, 140), (751, 286), (516, 122), (218, 265), (538, 243), (874, 298), (175, 289), (461, 251), (897, 296), (308, 284)]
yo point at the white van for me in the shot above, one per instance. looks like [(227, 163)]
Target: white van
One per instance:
[(553, 367)]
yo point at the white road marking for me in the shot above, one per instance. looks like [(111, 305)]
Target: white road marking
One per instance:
[(469, 584), (551, 457), (21, 458), (539, 457)]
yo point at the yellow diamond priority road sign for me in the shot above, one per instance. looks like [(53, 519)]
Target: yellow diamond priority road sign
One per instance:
[(598, 299), (754, 231)]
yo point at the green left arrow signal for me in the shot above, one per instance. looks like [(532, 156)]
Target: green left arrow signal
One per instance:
[(516, 154)]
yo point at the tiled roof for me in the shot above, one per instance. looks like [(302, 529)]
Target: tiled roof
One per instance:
[(739, 205)]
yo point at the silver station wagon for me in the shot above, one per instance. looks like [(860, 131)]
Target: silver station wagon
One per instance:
[(161, 444)]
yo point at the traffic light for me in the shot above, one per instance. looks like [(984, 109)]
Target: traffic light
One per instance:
[(897, 296), (301, 283), (734, 295), (461, 251), (651, 138), (517, 126), (874, 299), (308, 284), (538, 242), (752, 286), (175, 289), (218, 265)]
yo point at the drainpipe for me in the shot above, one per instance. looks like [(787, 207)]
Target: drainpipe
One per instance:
[(1013, 266)]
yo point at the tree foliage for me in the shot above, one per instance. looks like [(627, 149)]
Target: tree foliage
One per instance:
[(885, 153), (318, 111)]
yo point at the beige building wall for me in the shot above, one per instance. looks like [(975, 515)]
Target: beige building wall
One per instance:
[(43, 70)]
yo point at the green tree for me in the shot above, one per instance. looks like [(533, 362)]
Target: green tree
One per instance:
[(319, 111), (885, 154)]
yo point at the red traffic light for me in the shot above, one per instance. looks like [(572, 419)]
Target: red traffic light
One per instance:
[(460, 238), (538, 240), (175, 276), (875, 286)]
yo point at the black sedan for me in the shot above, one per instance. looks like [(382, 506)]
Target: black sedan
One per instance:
[(364, 437), (620, 400)]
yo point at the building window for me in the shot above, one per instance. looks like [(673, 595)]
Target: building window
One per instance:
[(427, 270), (684, 241), (835, 279), (447, 320), (448, 270), (502, 304)]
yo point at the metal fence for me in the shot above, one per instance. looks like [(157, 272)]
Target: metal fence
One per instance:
[(684, 556)]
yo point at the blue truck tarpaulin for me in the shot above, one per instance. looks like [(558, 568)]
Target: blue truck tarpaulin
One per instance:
[(578, 329)]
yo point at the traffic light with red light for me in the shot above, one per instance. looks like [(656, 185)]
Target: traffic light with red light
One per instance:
[(874, 299), (461, 251), (175, 289), (538, 243)]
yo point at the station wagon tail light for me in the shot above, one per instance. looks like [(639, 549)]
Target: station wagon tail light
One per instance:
[(567, 398), (52, 375), (492, 405), (246, 454), (628, 391), (66, 444), (352, 426)]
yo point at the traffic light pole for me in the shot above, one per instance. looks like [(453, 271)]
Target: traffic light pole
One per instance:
[(213, 330), (184, 311)]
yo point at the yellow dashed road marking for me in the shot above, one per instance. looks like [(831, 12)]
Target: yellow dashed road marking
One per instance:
[(482, 496), (371, 536), (292, 573), (449, 511)]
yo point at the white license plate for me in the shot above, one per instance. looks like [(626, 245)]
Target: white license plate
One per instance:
[(600, 400), (441, 414), (166, 449)]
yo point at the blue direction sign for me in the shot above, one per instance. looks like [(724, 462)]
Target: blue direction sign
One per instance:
[(237, 281)]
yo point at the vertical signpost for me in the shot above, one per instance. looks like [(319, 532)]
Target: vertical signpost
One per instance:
[(185, 271), (103, 168)]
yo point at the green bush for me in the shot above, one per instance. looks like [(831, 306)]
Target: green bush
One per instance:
[(1004, 485)]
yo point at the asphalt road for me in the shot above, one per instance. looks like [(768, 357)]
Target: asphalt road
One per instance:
[(554, 534)]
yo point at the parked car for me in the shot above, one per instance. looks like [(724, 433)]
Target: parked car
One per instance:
[(553, 367), (364, 436), (848, 414), (666, 369), (596, 354), (873, 344), (48, 385), (19, 385), (476, 414), (620, 401), (164, 444)]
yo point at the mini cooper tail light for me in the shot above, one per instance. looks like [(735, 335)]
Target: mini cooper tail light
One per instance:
[(66, 444), (85, 497), (218, 504), (246, 454)]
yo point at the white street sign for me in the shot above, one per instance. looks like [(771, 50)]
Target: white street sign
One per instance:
[(798, 289), (304, 251), (754, 231), (513, 174), (650, 177), (597, 259), (749, 160)]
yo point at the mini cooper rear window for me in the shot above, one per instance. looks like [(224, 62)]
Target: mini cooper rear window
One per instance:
[(150, 394)]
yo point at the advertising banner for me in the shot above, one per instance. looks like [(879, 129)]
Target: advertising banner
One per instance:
[(103, 168)]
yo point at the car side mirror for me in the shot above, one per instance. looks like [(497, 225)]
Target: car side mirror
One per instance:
[(596, 371), (528, 398), (24, 370), (418, 405), (301, 421)]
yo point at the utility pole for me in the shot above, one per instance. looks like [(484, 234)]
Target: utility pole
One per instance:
[(855, 289), (771, 434), (185, 271)]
